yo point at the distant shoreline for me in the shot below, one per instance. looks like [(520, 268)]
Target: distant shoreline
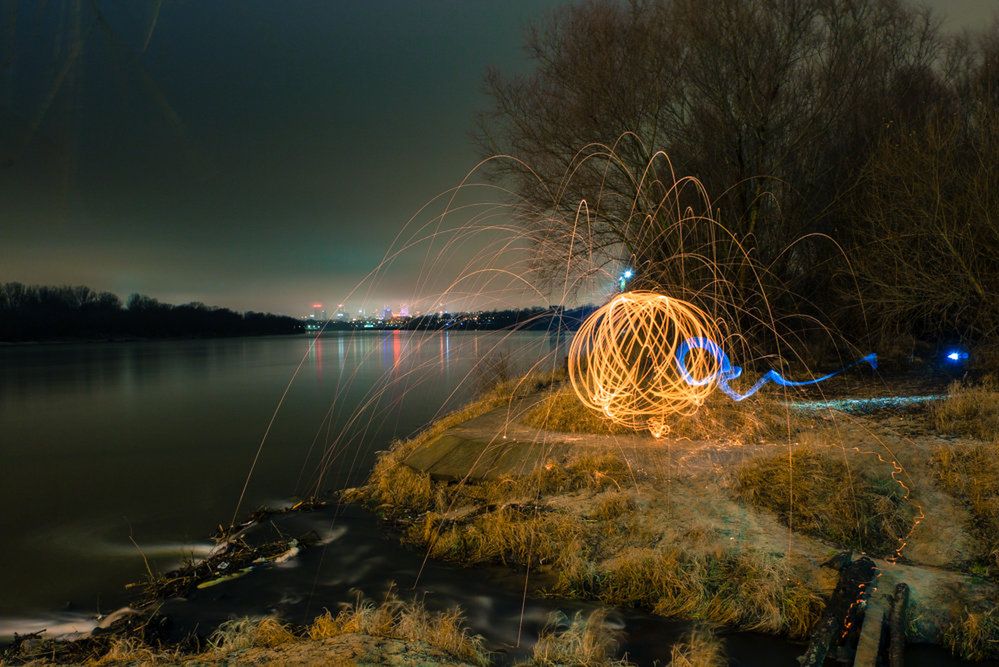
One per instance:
[(137, 339)]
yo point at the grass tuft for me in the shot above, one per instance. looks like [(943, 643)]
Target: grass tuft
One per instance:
[(971, 410), (975, 636), (586, 642), (246, 633), (970, 473), (819, 494), (508, 535), (701, 648), (756, 418), (131, 651), (748, 589), (403, 620)]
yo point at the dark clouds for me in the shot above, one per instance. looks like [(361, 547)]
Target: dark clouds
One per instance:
[(252, 154), (257, 154)]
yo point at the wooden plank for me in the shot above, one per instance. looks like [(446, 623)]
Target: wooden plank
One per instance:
[(869, 646), (844, 609)]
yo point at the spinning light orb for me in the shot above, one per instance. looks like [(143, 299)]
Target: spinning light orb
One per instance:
[(645, 357), (623, 360)]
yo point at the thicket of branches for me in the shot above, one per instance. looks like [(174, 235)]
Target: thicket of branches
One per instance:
[(36, 312), (847, 147)]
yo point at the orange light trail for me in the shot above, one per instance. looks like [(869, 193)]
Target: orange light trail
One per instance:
[(622, 361)]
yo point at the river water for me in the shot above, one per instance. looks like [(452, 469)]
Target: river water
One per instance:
[(104, 444)]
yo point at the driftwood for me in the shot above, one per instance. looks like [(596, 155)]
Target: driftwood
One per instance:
[(844, 610), (142, 620), (896, 626)]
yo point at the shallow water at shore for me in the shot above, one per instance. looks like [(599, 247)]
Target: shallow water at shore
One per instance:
[(151, 441), (360, 554)]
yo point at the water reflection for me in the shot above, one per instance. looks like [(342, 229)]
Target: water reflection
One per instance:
[(155, 438)]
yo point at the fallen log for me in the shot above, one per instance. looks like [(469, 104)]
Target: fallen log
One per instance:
[(896, 625), (844, 610)]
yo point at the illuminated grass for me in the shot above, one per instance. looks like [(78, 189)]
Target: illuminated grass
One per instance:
[(587, 642), (510, 536), (970, 473), (971, 410), (561, 410), (133, 651), (975, 636), (235, 641), (394, 486), (603, 553), (245, 633), (601, 559), (720, 417), (701, 648), (409, 621), (747, 589), (849, 507)]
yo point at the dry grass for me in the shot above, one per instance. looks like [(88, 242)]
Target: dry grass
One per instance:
[(409, 621), (589, 471), (970, 473), (560, 410), (586, 642), (508, 535), (603, 552), (392, 618), (975, 636), (747, 589), (247, 633), (599, 559), (818, 493), (971, 410), (611, 506), (510, 525), (720, 417), (394, 486), (701, 648), (132, 651)]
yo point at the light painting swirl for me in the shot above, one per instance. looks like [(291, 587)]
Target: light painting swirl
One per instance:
[(644, 357), (622, 361)]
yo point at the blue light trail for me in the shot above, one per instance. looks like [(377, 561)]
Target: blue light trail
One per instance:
[(727, 372)]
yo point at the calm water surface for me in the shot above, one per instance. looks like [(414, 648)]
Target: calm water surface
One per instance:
[(151, 441)]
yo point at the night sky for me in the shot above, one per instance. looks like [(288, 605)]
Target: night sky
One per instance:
[(256, 155)]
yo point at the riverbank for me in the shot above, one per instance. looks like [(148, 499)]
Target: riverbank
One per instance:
[(733, 519), (209, 612), (627, 513)]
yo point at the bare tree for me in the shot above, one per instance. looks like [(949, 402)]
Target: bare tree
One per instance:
[(929, 261), (774, 105)]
